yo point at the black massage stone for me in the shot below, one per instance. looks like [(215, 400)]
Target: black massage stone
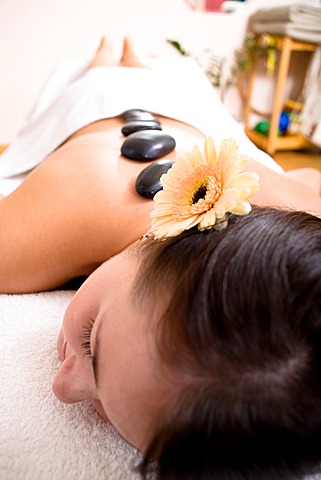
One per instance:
[(147, 145), (138, 125), (137, 114), (148, 182)]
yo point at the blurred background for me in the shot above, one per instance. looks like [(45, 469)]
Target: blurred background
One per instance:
[(36, 34)]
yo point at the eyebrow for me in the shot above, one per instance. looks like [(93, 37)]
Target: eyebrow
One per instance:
[(95, 355)]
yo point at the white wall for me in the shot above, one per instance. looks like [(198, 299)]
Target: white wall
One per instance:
[(36, 34)]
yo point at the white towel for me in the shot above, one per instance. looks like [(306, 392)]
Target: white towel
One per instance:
[(173, 87), (287, 28), (41, 438), (104, 92), (311, 116), (301, 14), (301, 21)]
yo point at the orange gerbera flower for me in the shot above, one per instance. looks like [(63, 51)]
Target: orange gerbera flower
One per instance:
[(201, 188)]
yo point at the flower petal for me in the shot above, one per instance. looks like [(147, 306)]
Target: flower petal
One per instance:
[(210, 151), (247, 181), (201, 188), (207, 220), (242, 207)]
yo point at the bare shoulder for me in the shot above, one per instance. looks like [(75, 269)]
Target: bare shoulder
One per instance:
[(285, 191)]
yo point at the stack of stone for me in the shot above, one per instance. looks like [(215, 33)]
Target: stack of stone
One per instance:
[(145, 141)]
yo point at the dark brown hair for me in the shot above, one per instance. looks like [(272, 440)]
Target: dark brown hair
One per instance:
[(243, 330)]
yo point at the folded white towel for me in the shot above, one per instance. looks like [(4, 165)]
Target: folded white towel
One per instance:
[(299, 20), (301, 14), (311, 115), (288, 29)]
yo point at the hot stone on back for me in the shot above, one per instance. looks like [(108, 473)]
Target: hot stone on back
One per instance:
[(147, 145), (138, 125), (148, 182), (137, 114)]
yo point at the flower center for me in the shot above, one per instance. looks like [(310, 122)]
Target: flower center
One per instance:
[(198, 200), (199, 194)]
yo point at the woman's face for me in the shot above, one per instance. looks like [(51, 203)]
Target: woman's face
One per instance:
[(108, 352)]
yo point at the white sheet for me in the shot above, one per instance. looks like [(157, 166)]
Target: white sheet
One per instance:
[(173, 87), (41, 438)]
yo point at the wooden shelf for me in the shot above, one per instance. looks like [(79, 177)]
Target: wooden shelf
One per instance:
[(288, 142), (273, 142)]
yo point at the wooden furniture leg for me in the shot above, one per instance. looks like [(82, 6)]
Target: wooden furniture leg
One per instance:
[(278, 95)]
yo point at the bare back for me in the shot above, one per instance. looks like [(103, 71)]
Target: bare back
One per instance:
[(77, 209), (80, 207)]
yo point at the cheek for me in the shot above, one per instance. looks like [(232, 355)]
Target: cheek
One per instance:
[(132, 398)]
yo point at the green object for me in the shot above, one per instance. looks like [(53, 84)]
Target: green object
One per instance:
[(178, 47), (263, 127)]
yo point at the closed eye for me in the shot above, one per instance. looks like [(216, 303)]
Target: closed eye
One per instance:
[(85, 338)]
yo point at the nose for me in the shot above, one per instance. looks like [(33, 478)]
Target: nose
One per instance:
[(74, 381)]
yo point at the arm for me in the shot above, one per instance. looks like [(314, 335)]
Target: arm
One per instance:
[(280, 190)]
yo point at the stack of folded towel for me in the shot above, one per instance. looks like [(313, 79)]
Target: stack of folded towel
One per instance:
[(301, 20), (311, 115)]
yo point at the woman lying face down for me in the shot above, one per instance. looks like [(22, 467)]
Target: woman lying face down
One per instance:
[(201, 344)]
